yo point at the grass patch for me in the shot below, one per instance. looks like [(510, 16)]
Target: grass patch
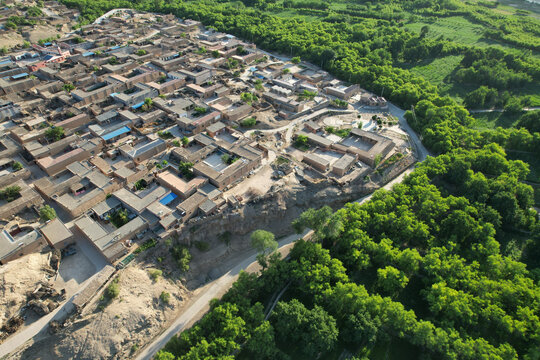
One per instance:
[(155, 274), (493, 120), (435, 70), (460, 30)]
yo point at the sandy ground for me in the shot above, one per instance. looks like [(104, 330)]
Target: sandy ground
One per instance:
[(11, 39), (73, 271), (114, 330), (18, 277), (41, 32)]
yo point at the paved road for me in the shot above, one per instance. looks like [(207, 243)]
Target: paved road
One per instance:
[(218, 287), (109, 13), (214, 289), (421, 151), (501, 110)]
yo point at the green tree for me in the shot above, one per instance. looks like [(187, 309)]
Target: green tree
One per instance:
[(54, 133), (16, 166), (391, 280), (301, 141), (119, 218), (186, 170), (10, 193), (185, 141), (264, 242), (249, 122), (309, 331), (296, 60), (325, 224), (47, 213), (164, 355)]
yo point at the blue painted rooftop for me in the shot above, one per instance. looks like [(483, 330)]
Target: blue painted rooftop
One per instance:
[(168, 199), (88, 53), (136, 106), (116, 133), (18, 76)]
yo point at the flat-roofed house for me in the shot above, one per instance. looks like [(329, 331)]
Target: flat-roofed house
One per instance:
[(13, 247), (343, 164), (57, 234), (317, 162), (179, 186)]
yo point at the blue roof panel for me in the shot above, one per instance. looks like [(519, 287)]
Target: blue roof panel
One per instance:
[(116, 133), (168, 199), (18, 76)]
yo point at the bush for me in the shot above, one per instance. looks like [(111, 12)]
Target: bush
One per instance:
[(165, 297), (181, 256), (113, 290), (119, 218), (47, 213), (10, 193), (202, 246), (155, 274), (146, 245), (249, 122), (16, 166), (141, 184)]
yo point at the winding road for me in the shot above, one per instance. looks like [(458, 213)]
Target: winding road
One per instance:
[(218, 287), (212, 290)]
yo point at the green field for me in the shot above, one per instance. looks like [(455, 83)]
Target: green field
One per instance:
[(462, 31), (493, 120), (435, 70)]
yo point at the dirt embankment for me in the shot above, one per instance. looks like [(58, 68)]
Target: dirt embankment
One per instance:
[(116, 329), (137, 315), (17, 278)]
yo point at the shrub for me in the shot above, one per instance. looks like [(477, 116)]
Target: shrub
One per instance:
[(113, 290), (165, 297), (202, 246), (16, 166), (155, 274), (10, 193), (249, 122), (146, 245), (47, 213), (181, 256)]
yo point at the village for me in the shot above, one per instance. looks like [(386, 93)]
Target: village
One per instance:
[(123, 133)]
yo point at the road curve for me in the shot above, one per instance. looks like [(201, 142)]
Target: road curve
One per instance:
[(214, 289)]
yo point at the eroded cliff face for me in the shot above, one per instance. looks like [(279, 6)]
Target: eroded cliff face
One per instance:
[(274, 211)]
